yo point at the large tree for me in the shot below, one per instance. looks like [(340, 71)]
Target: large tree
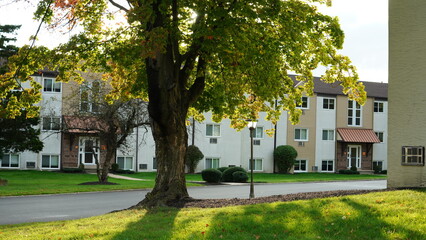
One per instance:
[(191, 56)]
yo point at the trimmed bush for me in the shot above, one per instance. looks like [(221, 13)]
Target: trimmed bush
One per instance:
[(122, 171), (227, 174), (285, 158), (114, 167), (193, 157), (222, 169), (211, 175), (240, 176), (353, 168), (347, 171), (73, 170)]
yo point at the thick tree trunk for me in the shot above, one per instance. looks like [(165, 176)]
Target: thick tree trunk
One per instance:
[(170, 184), (168, 108)]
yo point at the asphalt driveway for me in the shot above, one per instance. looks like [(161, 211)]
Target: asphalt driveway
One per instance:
[(45, 208)]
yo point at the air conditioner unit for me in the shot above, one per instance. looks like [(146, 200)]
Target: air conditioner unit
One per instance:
[(256, 142), (314, 168), (31, 164), (301, 144), (213, 140), (143, 166)]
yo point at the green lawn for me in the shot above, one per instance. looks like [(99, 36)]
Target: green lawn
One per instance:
[(383, 215), (38, 182)]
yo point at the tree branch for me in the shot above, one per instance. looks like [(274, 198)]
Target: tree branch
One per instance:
[(118, 6), (198, 87)]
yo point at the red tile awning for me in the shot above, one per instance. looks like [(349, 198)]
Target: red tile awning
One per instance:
[(358, 135), (87, 125)]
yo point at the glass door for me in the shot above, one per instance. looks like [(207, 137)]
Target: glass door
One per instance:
[(354, 156)]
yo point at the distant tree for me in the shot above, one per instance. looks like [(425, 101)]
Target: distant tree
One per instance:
[(20, 133), (113, 121), (7, 50), (285, 157), (193, 157)]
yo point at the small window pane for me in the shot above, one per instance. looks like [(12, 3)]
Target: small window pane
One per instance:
[(48, 85), (120, 162), (45, 161), (54, 161)]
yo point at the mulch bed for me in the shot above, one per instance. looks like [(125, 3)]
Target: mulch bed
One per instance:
[(217, 203)]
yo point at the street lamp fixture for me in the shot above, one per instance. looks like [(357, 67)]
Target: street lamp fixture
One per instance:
[(251, 126)]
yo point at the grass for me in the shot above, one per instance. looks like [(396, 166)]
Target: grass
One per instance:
[(43, 182), (382, 215)]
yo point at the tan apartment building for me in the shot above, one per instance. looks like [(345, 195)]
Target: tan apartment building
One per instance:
[(407, 86), (335, 133)]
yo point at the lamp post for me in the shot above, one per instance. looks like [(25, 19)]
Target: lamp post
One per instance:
[(251, 126)]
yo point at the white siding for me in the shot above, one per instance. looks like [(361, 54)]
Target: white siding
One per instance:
[(325, 120)]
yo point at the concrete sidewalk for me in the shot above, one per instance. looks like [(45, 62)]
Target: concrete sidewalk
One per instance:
[(125, 178)]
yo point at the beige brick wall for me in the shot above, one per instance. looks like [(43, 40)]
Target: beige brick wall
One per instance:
[(407, 85), (307, 120)]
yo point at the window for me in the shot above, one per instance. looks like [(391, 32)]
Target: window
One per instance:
[(328, 103), (305, 103), (258, 164), (212, 130), (328, 135), (380, 136), (377, 165), (51, 123), (354, 113), (154, 163), (50, 161), (90, 95), (212, 163), (10, 161), (258, 133), (413, 155), (327, 166), (300, 166), (125, 163), (378, 107), (301, 134), (50, 85)]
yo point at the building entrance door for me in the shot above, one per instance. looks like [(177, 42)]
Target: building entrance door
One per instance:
[(354, 156)]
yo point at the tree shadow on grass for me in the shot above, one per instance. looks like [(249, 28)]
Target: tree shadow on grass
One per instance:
[(157, 223), (316, 219)]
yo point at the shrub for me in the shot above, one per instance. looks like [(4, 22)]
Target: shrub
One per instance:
[(384, 172), (353, 168), (240, 176), (122, 171), (72, 170), (227, 174), (222, 169), (285, 158), (193, 157), (114, 167), (211, 175), (347, 171)]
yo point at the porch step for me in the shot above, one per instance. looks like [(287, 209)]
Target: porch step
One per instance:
[(366, 172)]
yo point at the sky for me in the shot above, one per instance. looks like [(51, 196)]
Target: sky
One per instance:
[(365, 23)]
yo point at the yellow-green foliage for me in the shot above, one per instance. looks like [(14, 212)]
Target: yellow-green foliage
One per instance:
[(384, 215)]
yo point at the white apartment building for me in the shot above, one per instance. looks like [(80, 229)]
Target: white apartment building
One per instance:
[(333, 133)]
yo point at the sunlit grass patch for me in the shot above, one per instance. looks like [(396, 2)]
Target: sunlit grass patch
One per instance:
[(381, 215)]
